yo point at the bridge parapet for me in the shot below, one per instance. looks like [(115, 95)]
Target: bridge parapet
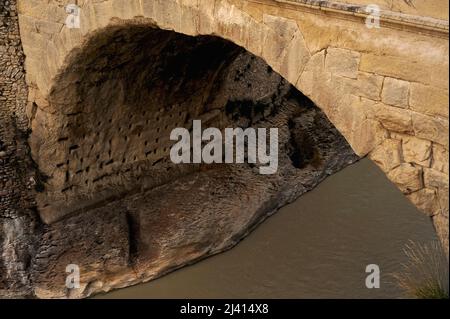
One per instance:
[(432, 18), (432, 8)]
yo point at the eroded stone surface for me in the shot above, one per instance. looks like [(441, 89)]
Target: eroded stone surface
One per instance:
[(395, 92), (97, 242), (407, 177), (18, 219)]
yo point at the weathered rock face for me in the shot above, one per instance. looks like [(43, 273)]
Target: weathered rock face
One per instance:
[(18, 219)]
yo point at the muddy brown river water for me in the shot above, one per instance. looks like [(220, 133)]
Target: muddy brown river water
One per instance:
[(317, 247)]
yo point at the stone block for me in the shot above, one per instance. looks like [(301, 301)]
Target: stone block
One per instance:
[(294, 59), (367, 85), (395, 92), (440, 158), (404, 68), (435, 179), (430, 128), (394, 119), (342, 62), (407, 177), (426, 200), (416, 150), (387, 155), (429, 100)]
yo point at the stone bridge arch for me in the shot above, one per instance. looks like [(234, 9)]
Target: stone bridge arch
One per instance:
[(385, 91)]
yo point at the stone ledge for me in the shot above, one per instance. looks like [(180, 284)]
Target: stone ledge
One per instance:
[(391, 19)]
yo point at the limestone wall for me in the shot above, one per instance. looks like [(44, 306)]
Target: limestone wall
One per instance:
[(385, 89)]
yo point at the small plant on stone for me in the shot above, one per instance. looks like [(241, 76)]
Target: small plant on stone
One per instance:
[(425, 274)]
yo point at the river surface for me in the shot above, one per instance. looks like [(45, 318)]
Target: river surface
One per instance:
[(317, 247)]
